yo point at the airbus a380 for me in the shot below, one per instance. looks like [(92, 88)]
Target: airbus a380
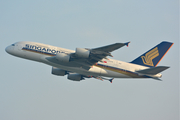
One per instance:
[(93, 63)]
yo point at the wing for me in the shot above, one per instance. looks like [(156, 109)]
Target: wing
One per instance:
[(97, 54), (84, 57), (110, 48)]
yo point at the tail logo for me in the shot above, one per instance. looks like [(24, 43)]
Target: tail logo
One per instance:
[(147, 59)]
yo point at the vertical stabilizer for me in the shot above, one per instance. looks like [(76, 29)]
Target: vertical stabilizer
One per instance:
[(152, 57)]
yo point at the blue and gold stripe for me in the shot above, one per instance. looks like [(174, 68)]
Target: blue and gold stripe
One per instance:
[(38, 51), (122, 71)]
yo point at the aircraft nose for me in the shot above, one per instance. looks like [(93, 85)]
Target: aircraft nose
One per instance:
[(8, 49)]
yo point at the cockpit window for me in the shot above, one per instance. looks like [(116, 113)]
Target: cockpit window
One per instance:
[(13, 44)]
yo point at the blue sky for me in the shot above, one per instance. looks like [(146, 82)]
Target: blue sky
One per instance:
[(29, 91)]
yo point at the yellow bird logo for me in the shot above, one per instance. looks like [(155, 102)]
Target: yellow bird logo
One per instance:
[(147, 59)]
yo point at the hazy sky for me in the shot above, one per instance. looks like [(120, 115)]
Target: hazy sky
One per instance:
[(28, 90)]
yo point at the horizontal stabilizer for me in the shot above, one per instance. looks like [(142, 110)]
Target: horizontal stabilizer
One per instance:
[(153, 71)]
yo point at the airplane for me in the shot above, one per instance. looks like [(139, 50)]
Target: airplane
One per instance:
[(93, 63)]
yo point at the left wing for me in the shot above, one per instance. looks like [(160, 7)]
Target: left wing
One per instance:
[(110, 48), (84, 57), (96, 54)]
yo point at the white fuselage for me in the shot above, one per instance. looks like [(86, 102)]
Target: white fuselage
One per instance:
[(106, 67)]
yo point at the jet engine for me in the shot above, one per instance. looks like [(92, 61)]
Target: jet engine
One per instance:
[(62, 57), (75, 77), (58, 71), (82, 52)]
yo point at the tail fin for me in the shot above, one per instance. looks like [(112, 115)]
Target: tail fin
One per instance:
[(152, 57)]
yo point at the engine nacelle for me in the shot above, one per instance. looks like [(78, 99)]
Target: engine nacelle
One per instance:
[(75, 77), (62, 57), (83, 53), (59, 72)]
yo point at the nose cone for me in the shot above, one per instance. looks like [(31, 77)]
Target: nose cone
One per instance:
[(9, 49)]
